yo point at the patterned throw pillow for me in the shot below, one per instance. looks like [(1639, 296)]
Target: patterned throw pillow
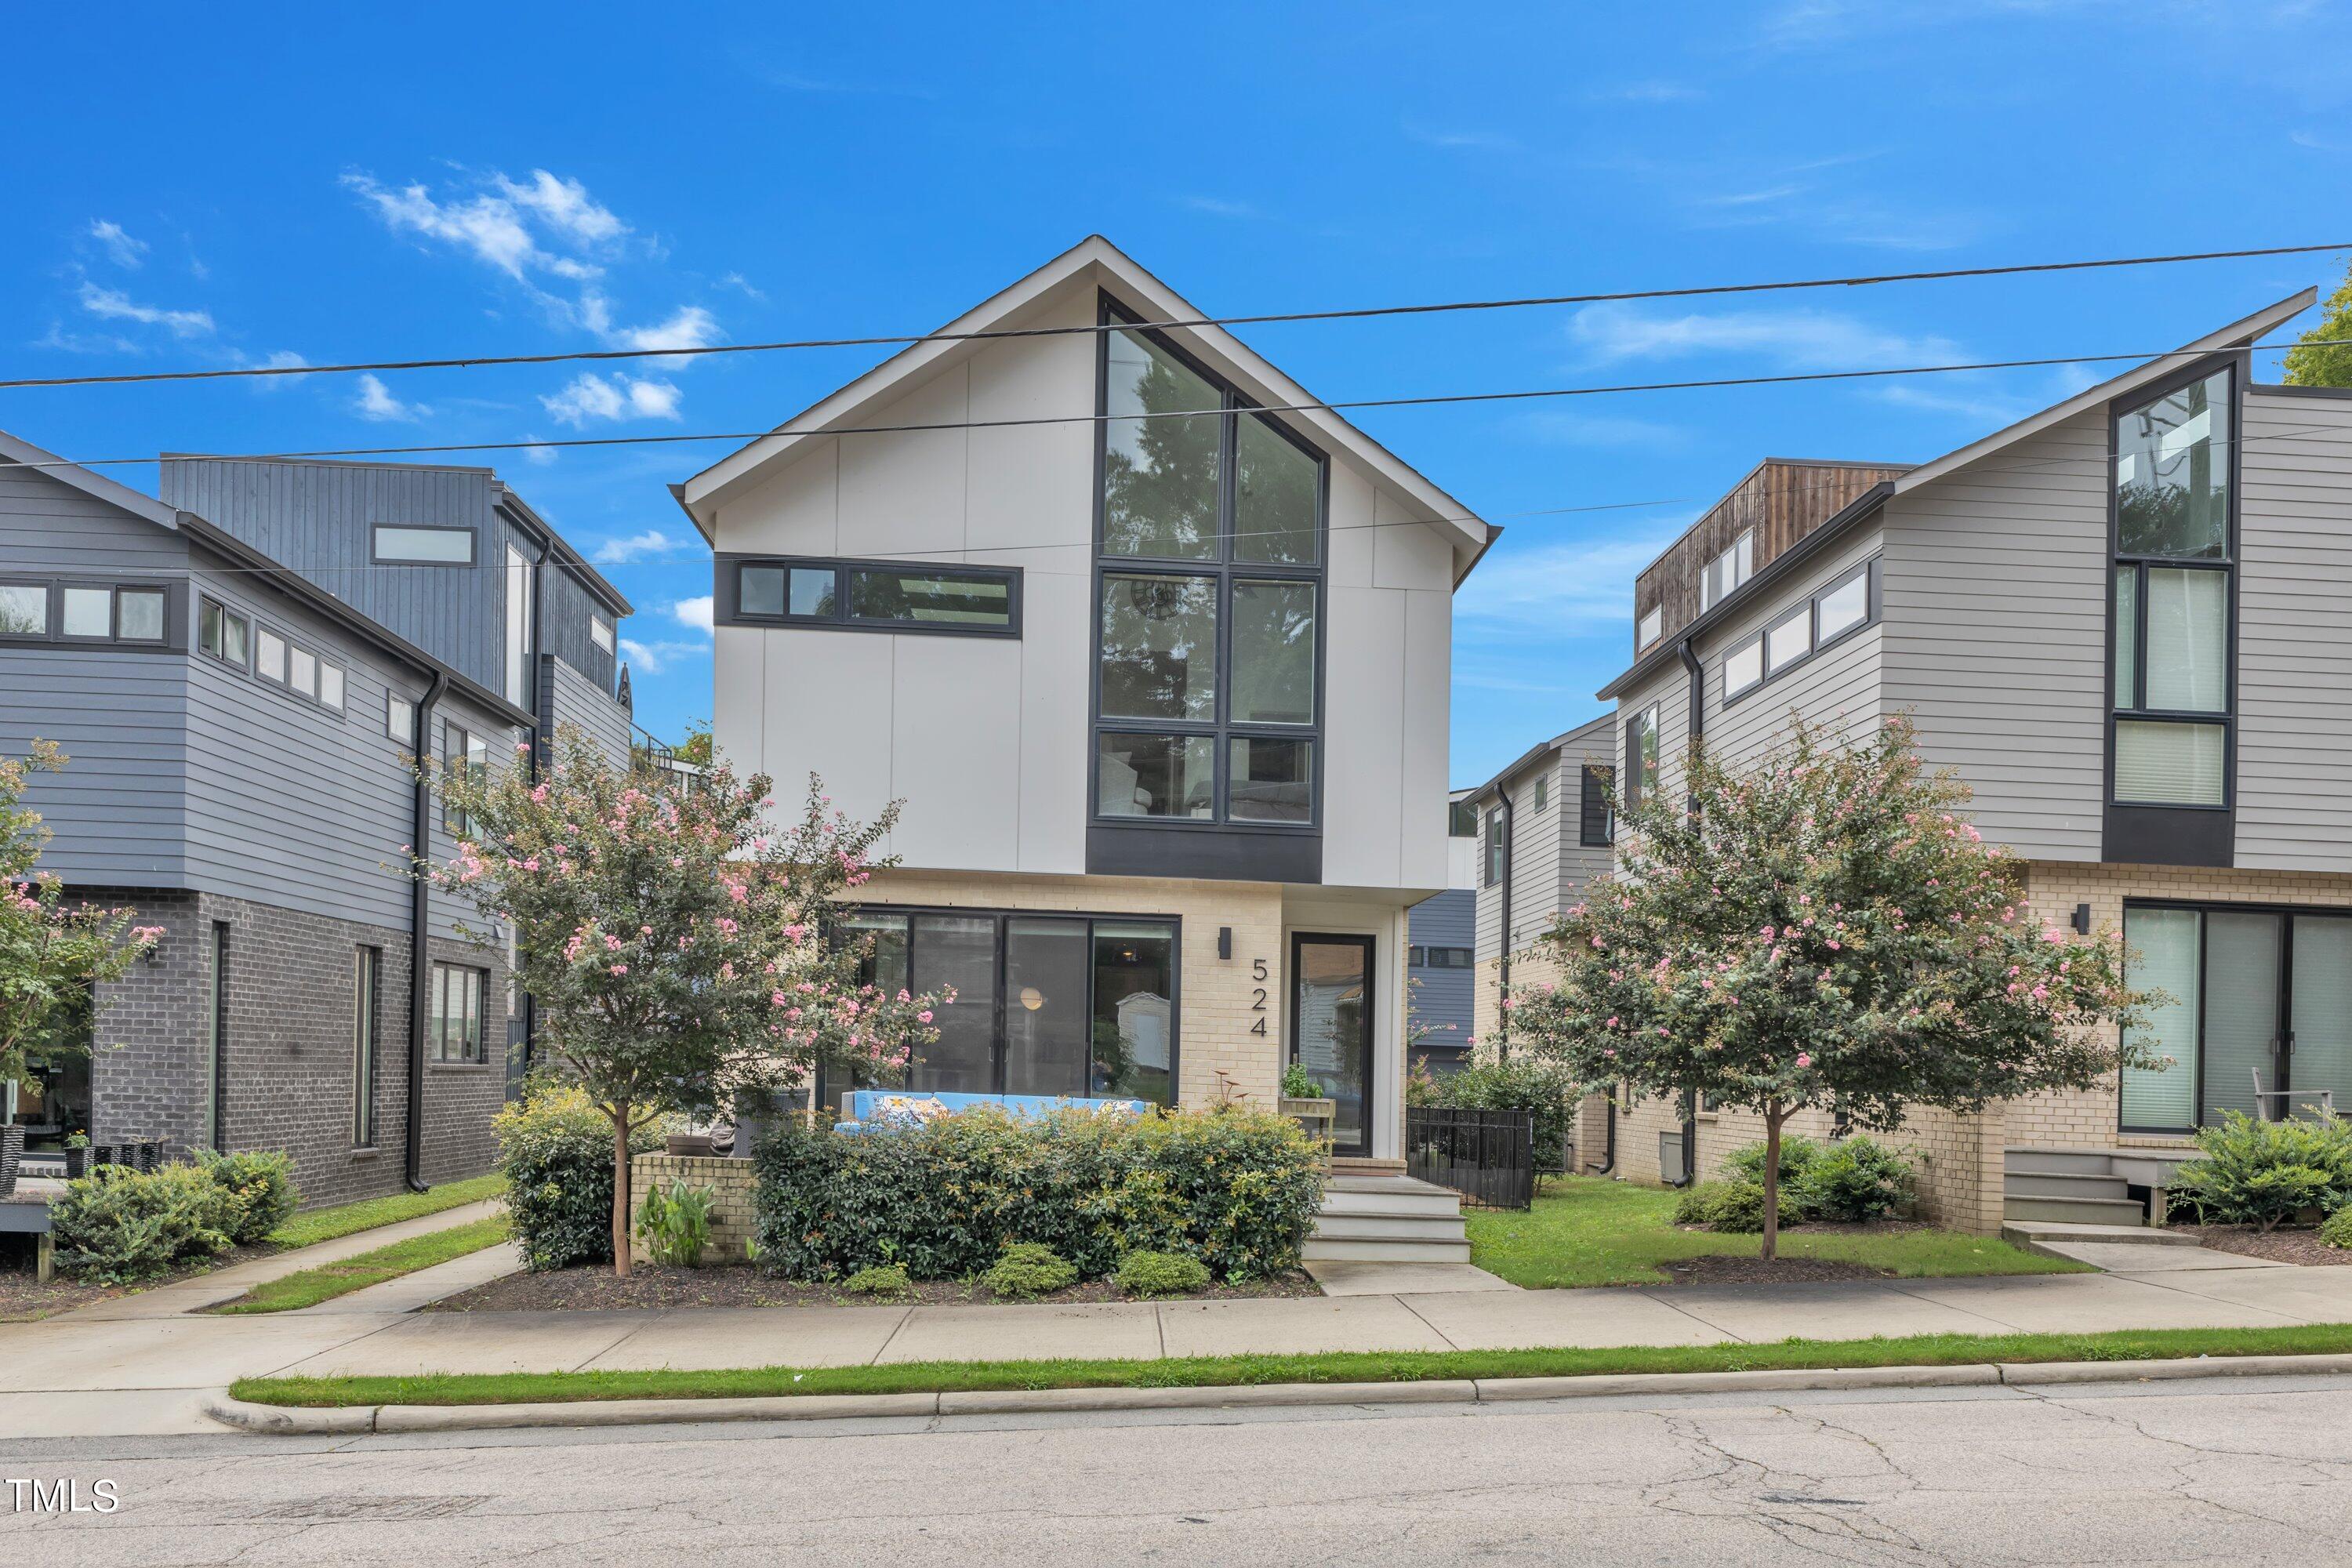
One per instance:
[(899, 1111)]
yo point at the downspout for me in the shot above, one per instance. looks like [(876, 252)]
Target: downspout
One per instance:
[(1698, 726), (540, 693), (1503, 974), (420, 972), (1609, 1163)]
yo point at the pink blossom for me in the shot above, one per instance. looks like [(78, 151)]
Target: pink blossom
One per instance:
[(1804, 1059), (620, 969)]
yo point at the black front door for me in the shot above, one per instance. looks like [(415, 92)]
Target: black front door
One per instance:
[(1331, 1030)]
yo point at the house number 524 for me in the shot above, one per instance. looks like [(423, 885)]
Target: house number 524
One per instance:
[(1258, 995)]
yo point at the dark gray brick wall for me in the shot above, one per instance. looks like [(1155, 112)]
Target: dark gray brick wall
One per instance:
[(287, 1074)]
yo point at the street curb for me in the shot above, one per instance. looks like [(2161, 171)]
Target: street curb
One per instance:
[(288, 1420)]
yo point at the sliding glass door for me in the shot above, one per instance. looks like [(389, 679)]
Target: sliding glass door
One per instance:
[(2252, 1013)]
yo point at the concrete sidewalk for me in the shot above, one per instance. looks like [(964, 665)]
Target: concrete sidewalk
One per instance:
[(86, 1375)]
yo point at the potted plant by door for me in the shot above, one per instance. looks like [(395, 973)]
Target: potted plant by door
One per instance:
[(77, 1155), (1303, 1101)]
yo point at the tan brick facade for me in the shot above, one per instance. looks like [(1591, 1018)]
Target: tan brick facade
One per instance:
[(729, 1184)]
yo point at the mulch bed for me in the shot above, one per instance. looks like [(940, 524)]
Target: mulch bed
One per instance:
[(597, 1290), (2302, 1247), (22, 1301)]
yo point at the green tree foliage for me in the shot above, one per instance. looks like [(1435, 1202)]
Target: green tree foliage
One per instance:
[(1822, 928), (2323, 356), (52, 952), (681, 951)]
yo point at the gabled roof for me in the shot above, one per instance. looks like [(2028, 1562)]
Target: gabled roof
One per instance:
[(244, 558), (2238, 334), (1556, 743), (1108, 266)]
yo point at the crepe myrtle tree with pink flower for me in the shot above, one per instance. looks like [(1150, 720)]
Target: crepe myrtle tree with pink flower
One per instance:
[(53, 951), (682, 954), (1823, 928)]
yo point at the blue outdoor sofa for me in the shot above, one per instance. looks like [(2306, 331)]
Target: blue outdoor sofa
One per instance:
[(860, 1104)]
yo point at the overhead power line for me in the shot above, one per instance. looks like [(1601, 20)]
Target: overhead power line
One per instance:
[(1336, 406), (472, 362)]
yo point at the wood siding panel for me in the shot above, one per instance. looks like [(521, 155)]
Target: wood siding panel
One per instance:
[(1995, 580), (2294, 626)]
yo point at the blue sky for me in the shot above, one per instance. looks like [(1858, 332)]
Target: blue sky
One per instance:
[(216, 187)]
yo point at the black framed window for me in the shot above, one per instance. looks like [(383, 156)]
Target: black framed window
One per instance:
[(1046, 1004), (1844, 605), (366, 966), (1596, 819), (223, 634), (453, 1013), (1209, 597), (2172, 610), (1728, 571), (1495, 861), (421, 544), (1542, 793), (463, 754), (1641, 754), (871, 595)]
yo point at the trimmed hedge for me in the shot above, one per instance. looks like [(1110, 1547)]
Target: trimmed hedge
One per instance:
[(555, 1150), (118, 1224), (1514, 1083), (2264, 1173), (1236, 1189)]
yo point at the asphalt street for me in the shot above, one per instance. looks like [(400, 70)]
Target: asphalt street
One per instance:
[(2242, 1470)]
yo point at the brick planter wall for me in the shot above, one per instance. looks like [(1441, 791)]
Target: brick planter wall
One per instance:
[(728, 1180)]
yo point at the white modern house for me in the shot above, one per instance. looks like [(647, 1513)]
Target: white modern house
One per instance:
[(1157, 659)]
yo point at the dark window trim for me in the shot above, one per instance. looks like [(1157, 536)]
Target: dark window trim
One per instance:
[(1225, 569), (378, 558), (1874, 607), (454, 821), (367, 1041), (1644, 720), (1494, 846), (1540, 793), (1595, 781), (1367, 1117), (284, 685), (2155, 832), (1090, 919), (727, 601), (2285, 995), (246, 664), (436, 1045)]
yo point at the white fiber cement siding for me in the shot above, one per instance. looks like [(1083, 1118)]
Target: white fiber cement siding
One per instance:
[(988, 740)]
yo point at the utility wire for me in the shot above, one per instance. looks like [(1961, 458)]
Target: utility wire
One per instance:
[(1421, 401), (472, 362)]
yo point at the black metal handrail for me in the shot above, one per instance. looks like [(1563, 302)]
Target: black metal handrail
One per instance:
[(1487, 1156)]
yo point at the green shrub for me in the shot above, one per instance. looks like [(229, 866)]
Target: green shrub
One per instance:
[(1856, 1178), (1736, 1206), (1028, 1269), (675, 1224), (1515, 1083), (1235, 1188), (260, 1183), (1297, 1083), (555, 1150), (116, 1225), (2336, 1230), (885, 1280), (1161, 1274), (1797, 1154), (2265, 1172)]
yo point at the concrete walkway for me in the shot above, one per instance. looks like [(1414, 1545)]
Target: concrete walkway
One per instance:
[(87, 1373)]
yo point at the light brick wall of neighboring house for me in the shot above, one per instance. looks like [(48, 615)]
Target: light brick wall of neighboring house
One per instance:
[(1217, 1054), (1534, 966), (730, 1184)]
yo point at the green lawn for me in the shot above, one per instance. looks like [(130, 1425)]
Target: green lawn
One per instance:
[(1588, 1230), (342, 1219), (1227, 1371), (328, 1280)]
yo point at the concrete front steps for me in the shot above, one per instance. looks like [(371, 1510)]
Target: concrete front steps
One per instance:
[(2081, 1187), (1387, 1218)]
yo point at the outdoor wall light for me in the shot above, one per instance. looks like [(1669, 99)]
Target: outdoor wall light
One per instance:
[(2082, 920), (1225, 942), (1032, 998)]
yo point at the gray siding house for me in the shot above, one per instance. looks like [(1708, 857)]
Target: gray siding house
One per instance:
[(1543, 826), (241, 736), (2122, 622), (1440, 985)]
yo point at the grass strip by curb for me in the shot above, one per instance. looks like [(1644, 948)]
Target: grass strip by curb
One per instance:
[(1226, 1371), (345, 1219), (328, 1280)]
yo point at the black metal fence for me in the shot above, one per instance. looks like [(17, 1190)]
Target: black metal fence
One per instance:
[(1487, 1156)]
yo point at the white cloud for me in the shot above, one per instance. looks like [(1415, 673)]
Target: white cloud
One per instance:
[(1547, 589), (693, 612), (1797, 340), (653, 658), (486, 225), (375, 402), (539, 456), (565, 205), (737, 280), (590, 397), (636, 547), (112, 304), (120, 248), (688, 327)]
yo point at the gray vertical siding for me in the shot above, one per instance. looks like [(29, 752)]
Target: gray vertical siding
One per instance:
[(2295, 629), (318, 519), (570, 699), (1995, 634), (117, 810), (566, 615)]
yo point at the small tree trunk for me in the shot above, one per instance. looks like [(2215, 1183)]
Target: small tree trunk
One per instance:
[(621, 1191), (1772, 1115)]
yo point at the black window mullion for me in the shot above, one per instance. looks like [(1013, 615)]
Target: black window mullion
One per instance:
[(999, 1048)]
